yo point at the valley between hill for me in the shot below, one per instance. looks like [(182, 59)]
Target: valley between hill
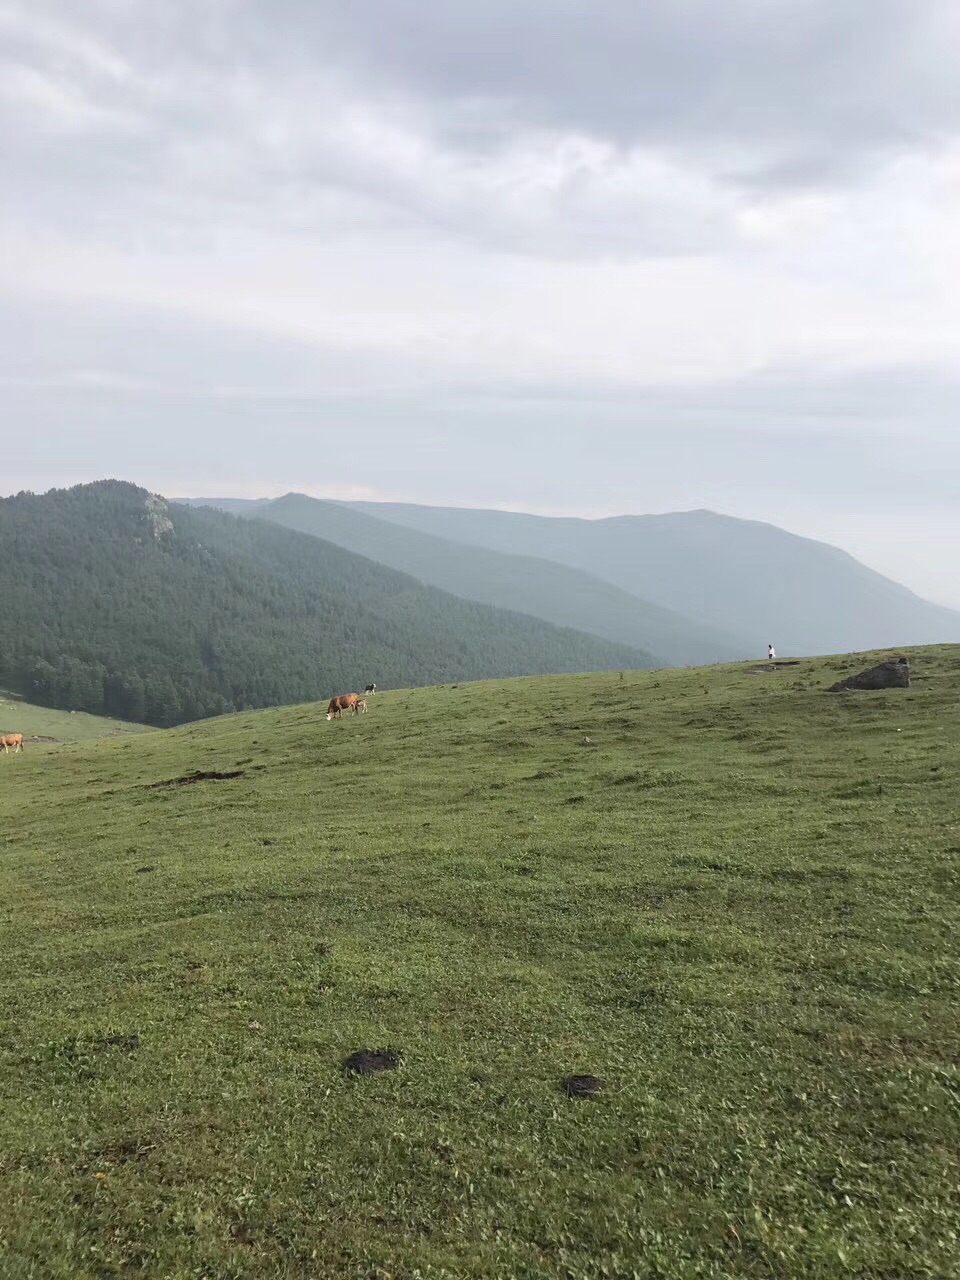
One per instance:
[(732, 897)]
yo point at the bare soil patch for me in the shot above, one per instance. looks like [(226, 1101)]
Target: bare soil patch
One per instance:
[(198, 775), (582, 1086), (366, 1062)]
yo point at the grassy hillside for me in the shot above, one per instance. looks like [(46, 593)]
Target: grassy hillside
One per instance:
[(19, 716), (555, 592), (740, 576), (729, 895), (129, 606)]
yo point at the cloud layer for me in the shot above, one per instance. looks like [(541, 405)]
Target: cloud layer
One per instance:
[(537, 241)]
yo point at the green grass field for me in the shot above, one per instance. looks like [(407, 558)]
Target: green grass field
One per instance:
[(17, 716), (731, 896)]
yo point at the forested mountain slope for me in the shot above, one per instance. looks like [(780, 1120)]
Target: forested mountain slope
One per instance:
[(555, 592), (234, 506), (741, 576), (117, 602)]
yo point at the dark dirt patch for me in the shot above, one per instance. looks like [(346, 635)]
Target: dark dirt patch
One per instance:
[(124, 1151), (575, 800), (582, 1086), (129, 1044), (541, 775), (366, 1062), (78, 1048), (198, 775), (142, 871), (798, 876), (769, 668), (644, 998)]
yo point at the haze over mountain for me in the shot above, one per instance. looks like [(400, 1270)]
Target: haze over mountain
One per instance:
[(146, 610), (740, 576), (692, 586), (555, 592)]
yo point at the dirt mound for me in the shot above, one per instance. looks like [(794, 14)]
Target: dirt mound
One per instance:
[(198, 775)]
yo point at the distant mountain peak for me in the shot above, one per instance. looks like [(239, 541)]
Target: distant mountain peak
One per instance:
[(746, 578)]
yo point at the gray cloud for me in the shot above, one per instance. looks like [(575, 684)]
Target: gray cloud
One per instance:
[(700, 252), (155, 386), (548, 127), (145, 133), (783, 88), (821, 457)]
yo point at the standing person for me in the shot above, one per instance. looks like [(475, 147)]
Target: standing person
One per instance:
[(771, 653)]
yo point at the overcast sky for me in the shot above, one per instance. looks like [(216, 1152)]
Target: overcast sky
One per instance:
[(569, 256)]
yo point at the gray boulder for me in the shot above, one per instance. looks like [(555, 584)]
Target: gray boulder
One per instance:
[(893, 674)]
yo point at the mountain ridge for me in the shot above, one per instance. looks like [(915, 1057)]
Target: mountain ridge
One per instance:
[(542, 588), (153, 611), (804, 595)]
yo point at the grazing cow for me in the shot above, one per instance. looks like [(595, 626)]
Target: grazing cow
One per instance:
[(345, 702), (14, 740), (361, 707), (371, 688)]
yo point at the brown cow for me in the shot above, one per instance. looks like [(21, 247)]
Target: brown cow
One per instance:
[(14, 740), (361, 707), (345, 702)]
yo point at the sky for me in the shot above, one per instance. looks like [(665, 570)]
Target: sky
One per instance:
[(583, 257)]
